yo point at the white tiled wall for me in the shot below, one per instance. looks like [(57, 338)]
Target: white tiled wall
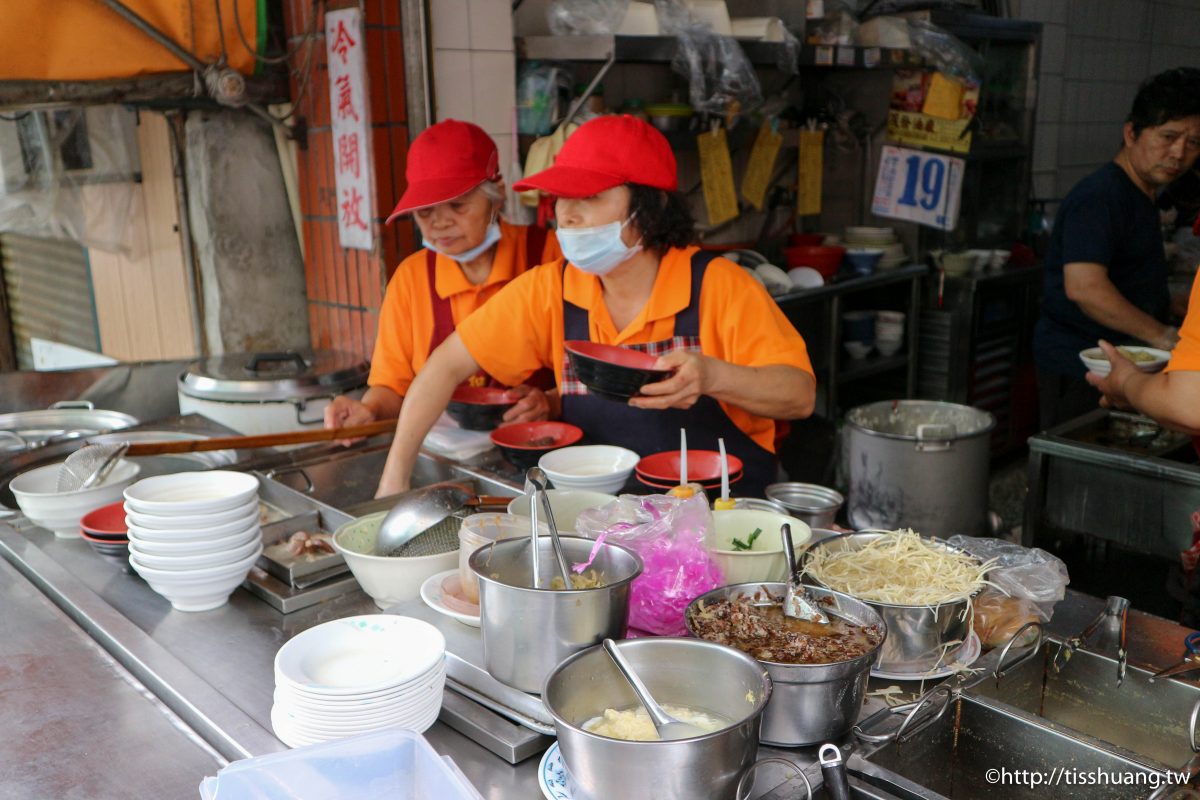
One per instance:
[(1094, 55), (474, 67)]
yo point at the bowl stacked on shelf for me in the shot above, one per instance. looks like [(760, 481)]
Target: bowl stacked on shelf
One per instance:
[(356, 675), (194, 536), (881, 238)]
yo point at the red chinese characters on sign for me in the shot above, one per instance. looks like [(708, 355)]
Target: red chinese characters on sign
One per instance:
[(350, 118), (345, 99), (352, 210), (348, 158), (342, 41)]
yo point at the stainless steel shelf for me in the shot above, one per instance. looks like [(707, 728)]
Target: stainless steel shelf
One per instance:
[(871, 365)]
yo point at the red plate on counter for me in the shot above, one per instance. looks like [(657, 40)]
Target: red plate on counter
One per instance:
[(704, 466)]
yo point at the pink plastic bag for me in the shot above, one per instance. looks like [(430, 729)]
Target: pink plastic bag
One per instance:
[(668, 534)]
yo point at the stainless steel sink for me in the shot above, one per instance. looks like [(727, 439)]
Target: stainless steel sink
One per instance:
[(347, 479), (966, 753), (1149, 719)]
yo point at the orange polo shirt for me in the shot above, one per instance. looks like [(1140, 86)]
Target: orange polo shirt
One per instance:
[(739, 323), (1186, 355), (406, 318)]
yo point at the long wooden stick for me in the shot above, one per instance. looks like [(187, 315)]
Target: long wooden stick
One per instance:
[(264, 440)]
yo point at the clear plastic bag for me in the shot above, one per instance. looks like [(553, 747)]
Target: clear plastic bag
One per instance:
[(1027, 573), (70, 174), (669, 534), (717, 70), (951, 55), (541, 89), (585, 17)]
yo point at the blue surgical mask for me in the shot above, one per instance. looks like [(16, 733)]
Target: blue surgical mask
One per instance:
[(597, 250), (489, 239)]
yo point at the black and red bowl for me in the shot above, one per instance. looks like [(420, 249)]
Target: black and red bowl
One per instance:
[(106, 523), (523, 443), (480, 408), (615, 373)]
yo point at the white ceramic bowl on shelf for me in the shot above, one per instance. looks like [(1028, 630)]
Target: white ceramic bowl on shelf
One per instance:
[(194, 522), (37, 496), (202, 534), (199, 589), (191, 493), (189, 563)]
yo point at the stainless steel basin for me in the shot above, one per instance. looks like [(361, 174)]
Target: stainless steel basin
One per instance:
[(966, 754), (1149, 719), (347, 479)]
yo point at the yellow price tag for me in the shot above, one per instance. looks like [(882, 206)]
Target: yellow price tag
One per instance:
[(716, 175), (762, 163), (812, 165)]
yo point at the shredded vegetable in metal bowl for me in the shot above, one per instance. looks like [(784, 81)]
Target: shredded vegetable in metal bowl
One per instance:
[(899, 568), (592, 579)]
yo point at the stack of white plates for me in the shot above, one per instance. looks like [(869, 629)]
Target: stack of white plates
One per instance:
[(356, 675), (883, 238), (194, 536)]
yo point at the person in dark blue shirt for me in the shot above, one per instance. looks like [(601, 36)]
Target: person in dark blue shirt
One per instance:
[(1105, 270)]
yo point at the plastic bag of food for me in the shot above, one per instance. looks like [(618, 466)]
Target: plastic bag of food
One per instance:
[(716, 68), (1027, 572), (951, 54), (669, 534), (585, 17), (998, 617)]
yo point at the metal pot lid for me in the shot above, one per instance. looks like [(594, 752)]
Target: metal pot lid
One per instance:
[(72, 418), (264, 377), (920, 419)]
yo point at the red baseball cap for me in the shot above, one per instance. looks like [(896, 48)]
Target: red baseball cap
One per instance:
[(607, 152), (448, 159)]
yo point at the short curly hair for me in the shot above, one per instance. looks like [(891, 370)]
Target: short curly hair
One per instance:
[(662, 217)]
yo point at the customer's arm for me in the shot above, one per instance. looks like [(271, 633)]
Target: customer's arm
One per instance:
[(1088, 286), (1170, 398)]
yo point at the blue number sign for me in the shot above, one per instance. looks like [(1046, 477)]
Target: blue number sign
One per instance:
[(919, 187)]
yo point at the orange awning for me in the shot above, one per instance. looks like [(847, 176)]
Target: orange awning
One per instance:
[(79, 40)]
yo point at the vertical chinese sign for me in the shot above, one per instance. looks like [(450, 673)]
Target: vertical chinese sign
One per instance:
[(348, 110)]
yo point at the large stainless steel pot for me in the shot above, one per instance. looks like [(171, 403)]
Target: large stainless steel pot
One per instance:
[(919, 637), (70, 419), (257, 393), (527, 631), (686, 672), (919, 464), (811, 702)]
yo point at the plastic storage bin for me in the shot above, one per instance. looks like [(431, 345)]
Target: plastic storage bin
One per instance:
[(391, 764)]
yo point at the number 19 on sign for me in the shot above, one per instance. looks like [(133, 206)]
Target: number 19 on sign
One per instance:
[(919, 187)]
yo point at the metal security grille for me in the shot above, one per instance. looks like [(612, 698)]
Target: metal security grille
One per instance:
[(49, 289)]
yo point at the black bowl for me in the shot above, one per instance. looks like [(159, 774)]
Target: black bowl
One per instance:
[(524, 443), (615, 373), (480, 408)]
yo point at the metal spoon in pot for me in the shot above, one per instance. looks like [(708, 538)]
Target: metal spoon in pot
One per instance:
[(538, 480), (667, 726), (797, 602)]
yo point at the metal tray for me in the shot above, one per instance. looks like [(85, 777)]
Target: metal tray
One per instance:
[(297, 512)]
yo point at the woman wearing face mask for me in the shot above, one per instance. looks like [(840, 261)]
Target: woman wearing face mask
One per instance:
[(455, 194), (631, 278)]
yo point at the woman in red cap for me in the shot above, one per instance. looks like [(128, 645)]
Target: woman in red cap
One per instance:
[(630, 277), (455, 193)]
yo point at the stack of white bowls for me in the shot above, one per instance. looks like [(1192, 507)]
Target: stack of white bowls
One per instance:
[(194, 536), (889, 331), (594, 467), (883, 238), (356, 675)]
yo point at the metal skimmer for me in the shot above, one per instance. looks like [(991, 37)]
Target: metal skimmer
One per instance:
[(441, 538)]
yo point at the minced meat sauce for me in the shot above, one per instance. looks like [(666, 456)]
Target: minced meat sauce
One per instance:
[(768, 635)]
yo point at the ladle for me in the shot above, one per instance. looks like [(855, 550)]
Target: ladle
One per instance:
[(416, 512), (538, 481), (667, 726)]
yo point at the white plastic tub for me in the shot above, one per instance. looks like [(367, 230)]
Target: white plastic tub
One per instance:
[(392, 764)]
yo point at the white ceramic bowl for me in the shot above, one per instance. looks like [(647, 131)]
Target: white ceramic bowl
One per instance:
[(386, 579), (857, 350), (567, 505), (198, 590), (805, 278), (192, 522), (1093, 358), (358, 655), (764, 561), (204, 534), (61, 512), (598, 467), (190, 563), (197, 546), (191, 493)]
